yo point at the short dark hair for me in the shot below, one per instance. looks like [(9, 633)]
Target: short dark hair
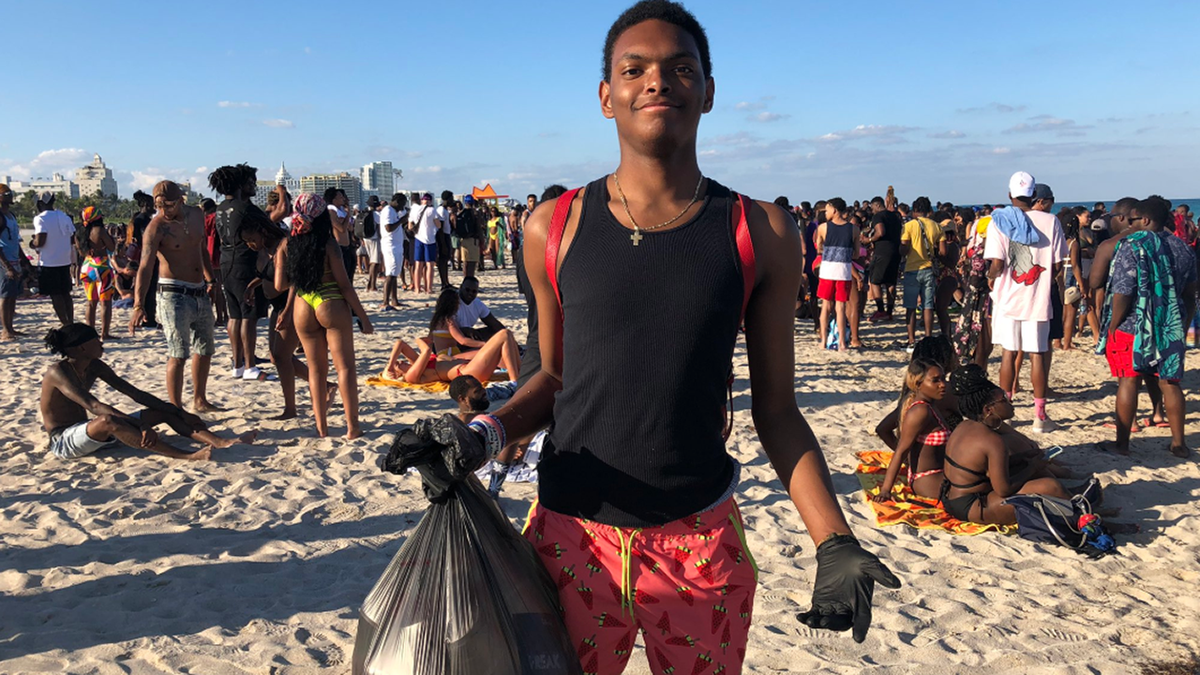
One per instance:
[(837, 203), (1124, 204), (447, 196), (469, 278), (1155, 209), (922, 205), (143, 199), (878, 201), (331, 193), (460, 385), (552, 192), (782, 202), (661, 10), (531, 196), (400, 199)]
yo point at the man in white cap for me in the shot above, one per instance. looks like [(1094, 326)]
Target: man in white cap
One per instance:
[(1026, 249), (53, 233)]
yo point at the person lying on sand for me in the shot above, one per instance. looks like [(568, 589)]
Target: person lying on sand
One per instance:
[(67, 400), (983, 452), (424, 367)]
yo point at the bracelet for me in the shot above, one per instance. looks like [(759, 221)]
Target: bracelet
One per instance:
[(492, 431)]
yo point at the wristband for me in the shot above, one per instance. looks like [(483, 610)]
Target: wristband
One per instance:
[(492, 431)]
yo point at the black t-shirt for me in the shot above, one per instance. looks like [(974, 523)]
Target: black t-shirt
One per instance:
[(230, 215), (467, 226), (892, 227), (140, 222)]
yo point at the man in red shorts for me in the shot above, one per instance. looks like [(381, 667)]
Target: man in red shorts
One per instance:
[(635, 518), (836, 241), (1152, 288)]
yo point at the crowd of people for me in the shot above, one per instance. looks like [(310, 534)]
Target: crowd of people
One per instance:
[(636, 487)]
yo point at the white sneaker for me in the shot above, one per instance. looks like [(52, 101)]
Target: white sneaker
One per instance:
[(237, 373), (1043, 426)]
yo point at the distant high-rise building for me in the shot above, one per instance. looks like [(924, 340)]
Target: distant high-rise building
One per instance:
[(317, 183), (56, 184), (266, 187), (95, 177), (378, 178)]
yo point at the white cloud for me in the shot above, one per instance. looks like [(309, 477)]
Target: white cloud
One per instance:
[(768, 117), (953, 133), (1001, 151), (62, 160), (879, 131), (1058, 125), (237, 104), (280, 124)]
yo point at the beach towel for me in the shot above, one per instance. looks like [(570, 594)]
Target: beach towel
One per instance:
[(383, 380), (1158, 335), (1014, 224), (906, 506)]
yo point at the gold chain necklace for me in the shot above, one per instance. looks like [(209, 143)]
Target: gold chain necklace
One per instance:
[(637, 237)]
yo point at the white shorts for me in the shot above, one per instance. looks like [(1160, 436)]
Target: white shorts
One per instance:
[(374, 257), (392, 260), (74, 441), (1015, 335)]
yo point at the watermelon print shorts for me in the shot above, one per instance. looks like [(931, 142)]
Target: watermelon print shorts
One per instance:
[(687, 585)]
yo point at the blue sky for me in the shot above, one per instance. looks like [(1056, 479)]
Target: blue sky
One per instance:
[(813, 100)]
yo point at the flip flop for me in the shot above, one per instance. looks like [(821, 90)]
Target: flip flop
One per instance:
[(1109, 425), (1149, 422)]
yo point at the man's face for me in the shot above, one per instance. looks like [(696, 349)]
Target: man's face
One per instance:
[(1119, 221), (531, 202), (657, 90), (171, 209), (475, 400), (468, 292)]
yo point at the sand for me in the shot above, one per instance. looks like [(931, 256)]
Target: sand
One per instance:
[(256, 562)]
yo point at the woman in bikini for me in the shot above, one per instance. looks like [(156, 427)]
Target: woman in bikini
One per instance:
[(981, 452), (923, 433), (441, 359), (268, 240), (934, 349), (321, 303)]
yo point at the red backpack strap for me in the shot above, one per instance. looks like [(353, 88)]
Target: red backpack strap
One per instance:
[(745, 248), (558, 223)]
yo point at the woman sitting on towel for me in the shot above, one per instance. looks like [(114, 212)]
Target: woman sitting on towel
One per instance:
[(440, 358), (983, 450), (933, 349), (923, 432)]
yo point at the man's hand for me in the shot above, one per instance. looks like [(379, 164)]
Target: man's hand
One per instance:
[(11, 272), (135, 319), (149, 438), (845, 585)]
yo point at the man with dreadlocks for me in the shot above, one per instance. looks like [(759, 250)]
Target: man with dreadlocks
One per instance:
[(175, 240), (238, 263)]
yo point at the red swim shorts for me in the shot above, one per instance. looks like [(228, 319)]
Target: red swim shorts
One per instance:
[(830, 289), (687, 585), (1119, 352)]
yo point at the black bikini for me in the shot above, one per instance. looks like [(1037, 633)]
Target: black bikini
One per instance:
[(960, 507)]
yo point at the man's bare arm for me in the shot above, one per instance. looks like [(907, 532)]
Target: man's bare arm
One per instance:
[(123, 386), (786, 436), (68, 384), (151, 240)]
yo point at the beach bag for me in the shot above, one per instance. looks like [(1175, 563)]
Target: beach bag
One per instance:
[(1070, 523), (364, 224), (464, 224), (465, 594), (745, 250)]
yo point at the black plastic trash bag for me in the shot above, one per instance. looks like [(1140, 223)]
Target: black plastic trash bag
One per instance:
[(466, 594)]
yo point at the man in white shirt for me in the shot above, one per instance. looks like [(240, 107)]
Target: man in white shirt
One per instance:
[(472, 310), (425, 252), (53, 234), (391, 229), (1026, 249)]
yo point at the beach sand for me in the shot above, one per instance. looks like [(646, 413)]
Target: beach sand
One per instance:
[(257, 562)]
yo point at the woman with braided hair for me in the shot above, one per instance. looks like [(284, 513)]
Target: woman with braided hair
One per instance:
[(977, 473)]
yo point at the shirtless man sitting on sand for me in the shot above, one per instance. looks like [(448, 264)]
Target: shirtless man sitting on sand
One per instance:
[(67, 400)]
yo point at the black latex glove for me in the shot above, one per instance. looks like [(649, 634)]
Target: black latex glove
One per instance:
[(846, 576), (445, 450)]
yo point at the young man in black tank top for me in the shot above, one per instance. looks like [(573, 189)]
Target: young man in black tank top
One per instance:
[(636, 520)]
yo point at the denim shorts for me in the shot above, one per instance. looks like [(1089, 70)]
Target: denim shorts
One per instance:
[(11, 288), (187, 321), (74, 442), (922, 284)]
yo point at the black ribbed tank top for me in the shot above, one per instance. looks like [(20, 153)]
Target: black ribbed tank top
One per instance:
[(648, 334)]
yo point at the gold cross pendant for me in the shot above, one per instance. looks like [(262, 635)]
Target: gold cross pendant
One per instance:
[(636, 237)]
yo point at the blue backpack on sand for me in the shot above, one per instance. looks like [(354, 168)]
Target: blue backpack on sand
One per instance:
[(1070, 523)]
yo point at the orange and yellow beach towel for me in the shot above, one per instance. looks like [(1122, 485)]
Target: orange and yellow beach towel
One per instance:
[(906, 507)]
